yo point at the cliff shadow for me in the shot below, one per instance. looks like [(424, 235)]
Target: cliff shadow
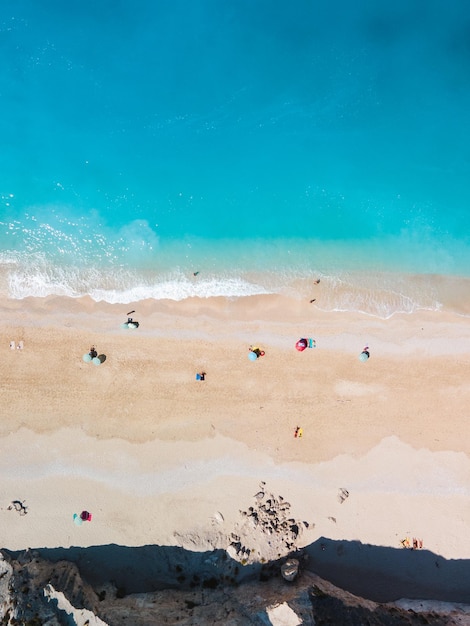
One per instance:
[(150, 568), (385, 574), (382, 574)]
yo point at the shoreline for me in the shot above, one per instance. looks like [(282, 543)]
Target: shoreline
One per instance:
[(379, 294), (139, 433)]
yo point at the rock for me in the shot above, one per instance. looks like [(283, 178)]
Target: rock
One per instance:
[(290, 569), (282, 615)]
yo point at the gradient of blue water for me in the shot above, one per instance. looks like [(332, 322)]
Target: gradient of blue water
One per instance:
[(144, 134)]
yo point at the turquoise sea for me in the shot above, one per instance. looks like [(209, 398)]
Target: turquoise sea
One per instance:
[(260, 143)]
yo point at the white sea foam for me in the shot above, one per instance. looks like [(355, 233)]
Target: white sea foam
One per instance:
[(181, 289), (381, 304), (122, 286)]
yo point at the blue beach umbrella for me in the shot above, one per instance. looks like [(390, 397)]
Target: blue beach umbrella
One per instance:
[(364, 356), (77, 519), (252, 356), (96, 361), (86, 357)]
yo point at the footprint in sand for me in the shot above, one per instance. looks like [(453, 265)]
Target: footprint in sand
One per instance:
[(343, 494)]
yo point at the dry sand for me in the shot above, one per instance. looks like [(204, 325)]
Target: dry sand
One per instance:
[(160, 458)]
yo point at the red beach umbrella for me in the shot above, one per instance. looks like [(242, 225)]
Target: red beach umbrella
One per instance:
[(301, 345)]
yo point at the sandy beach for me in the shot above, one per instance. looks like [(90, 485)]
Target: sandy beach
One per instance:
[(160, 458)]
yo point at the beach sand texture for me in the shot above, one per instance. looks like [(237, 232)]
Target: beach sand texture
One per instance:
[(160, 458)]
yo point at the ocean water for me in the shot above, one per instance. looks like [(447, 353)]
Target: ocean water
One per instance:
[(260, 144)]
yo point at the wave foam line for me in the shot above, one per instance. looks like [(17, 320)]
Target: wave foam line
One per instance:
[(74, 285)]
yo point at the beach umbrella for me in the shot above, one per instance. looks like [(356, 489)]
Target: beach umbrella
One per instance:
[(124, 325), (86, 357), (96, 361), (77, 519), (363, 356), (301, 345), (131, 325), (252, 355)]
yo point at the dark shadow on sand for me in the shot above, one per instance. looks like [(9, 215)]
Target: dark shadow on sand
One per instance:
[(385, 574), (373, 572)]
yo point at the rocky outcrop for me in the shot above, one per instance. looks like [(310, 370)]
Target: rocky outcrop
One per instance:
[(267, 530), (37, 592), (290, 569)]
